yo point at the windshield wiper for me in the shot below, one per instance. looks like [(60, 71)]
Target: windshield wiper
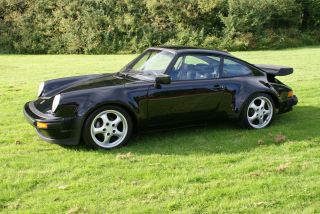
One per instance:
[(121, 74), (126, 75)]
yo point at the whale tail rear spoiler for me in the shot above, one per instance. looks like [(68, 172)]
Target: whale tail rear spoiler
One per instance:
[(275, 70)]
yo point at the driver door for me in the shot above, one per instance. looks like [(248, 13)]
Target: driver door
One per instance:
[(194, 94)]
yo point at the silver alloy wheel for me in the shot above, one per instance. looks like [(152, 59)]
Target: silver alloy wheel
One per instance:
[(259, 112), (109, 128)]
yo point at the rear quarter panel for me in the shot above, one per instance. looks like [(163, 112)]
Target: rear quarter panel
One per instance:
[(240, 89)]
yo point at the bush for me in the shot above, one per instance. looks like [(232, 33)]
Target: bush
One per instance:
[(108, 26)]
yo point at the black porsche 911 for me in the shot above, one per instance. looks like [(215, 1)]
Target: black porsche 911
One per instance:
[(164, 86)]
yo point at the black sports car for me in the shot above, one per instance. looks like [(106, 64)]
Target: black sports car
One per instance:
[(161, 87)]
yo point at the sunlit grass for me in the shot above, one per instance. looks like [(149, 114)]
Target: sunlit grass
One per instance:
[(217, 168)]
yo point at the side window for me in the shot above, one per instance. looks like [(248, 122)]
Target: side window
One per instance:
[(196, 67), (233, 69)]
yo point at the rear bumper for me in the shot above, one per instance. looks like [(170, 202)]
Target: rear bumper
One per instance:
[(287, 105), (63, 131)]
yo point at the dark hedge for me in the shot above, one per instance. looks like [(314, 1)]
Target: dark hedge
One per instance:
[(109, 26)]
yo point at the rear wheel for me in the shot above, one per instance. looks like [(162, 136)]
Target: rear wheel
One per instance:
[(258, 111), (107, 128)]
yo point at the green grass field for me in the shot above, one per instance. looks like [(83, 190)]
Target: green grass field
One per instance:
[(217, 168)]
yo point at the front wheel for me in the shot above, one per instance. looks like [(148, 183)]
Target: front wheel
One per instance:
[(107, 128), (258, 112)]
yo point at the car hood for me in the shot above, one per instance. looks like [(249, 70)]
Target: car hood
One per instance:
[(68, 84)]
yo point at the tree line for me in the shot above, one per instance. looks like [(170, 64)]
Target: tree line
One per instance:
[(115, 26)]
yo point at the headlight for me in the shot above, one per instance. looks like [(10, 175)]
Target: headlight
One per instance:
[(55, 102), (41, 86)]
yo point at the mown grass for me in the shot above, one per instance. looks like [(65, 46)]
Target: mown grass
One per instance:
[(217, 168)]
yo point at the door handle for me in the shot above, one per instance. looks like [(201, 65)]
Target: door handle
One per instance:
[(218, 87)]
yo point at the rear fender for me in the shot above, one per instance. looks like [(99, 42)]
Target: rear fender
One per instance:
[(240, 103)]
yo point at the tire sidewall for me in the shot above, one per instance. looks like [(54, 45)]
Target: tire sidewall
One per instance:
[(244, 119), (86, 134)]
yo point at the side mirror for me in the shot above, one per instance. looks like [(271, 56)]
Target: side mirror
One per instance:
[(162, 79)]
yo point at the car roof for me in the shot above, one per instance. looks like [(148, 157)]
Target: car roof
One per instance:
[(188, 49)]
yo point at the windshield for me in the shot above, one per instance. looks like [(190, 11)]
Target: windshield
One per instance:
[(151, 64)]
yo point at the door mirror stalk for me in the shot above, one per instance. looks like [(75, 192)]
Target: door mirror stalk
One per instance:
[(162, 79)]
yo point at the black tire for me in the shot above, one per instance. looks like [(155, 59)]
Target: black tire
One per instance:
[(244, 117), (93, 142)]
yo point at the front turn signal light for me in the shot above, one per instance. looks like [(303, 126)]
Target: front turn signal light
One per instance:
[(42, 125), (290, 93)]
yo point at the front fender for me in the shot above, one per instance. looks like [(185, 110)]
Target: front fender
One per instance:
[(86, 100), (132, 99)]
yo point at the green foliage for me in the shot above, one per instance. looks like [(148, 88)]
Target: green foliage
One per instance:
[(108, 26), (255, 16), (310, 13)]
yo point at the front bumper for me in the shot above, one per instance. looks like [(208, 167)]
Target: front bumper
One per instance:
[(63, 131), (287, 105)]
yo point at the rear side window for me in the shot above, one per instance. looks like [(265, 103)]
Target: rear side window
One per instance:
[(232, 68)]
